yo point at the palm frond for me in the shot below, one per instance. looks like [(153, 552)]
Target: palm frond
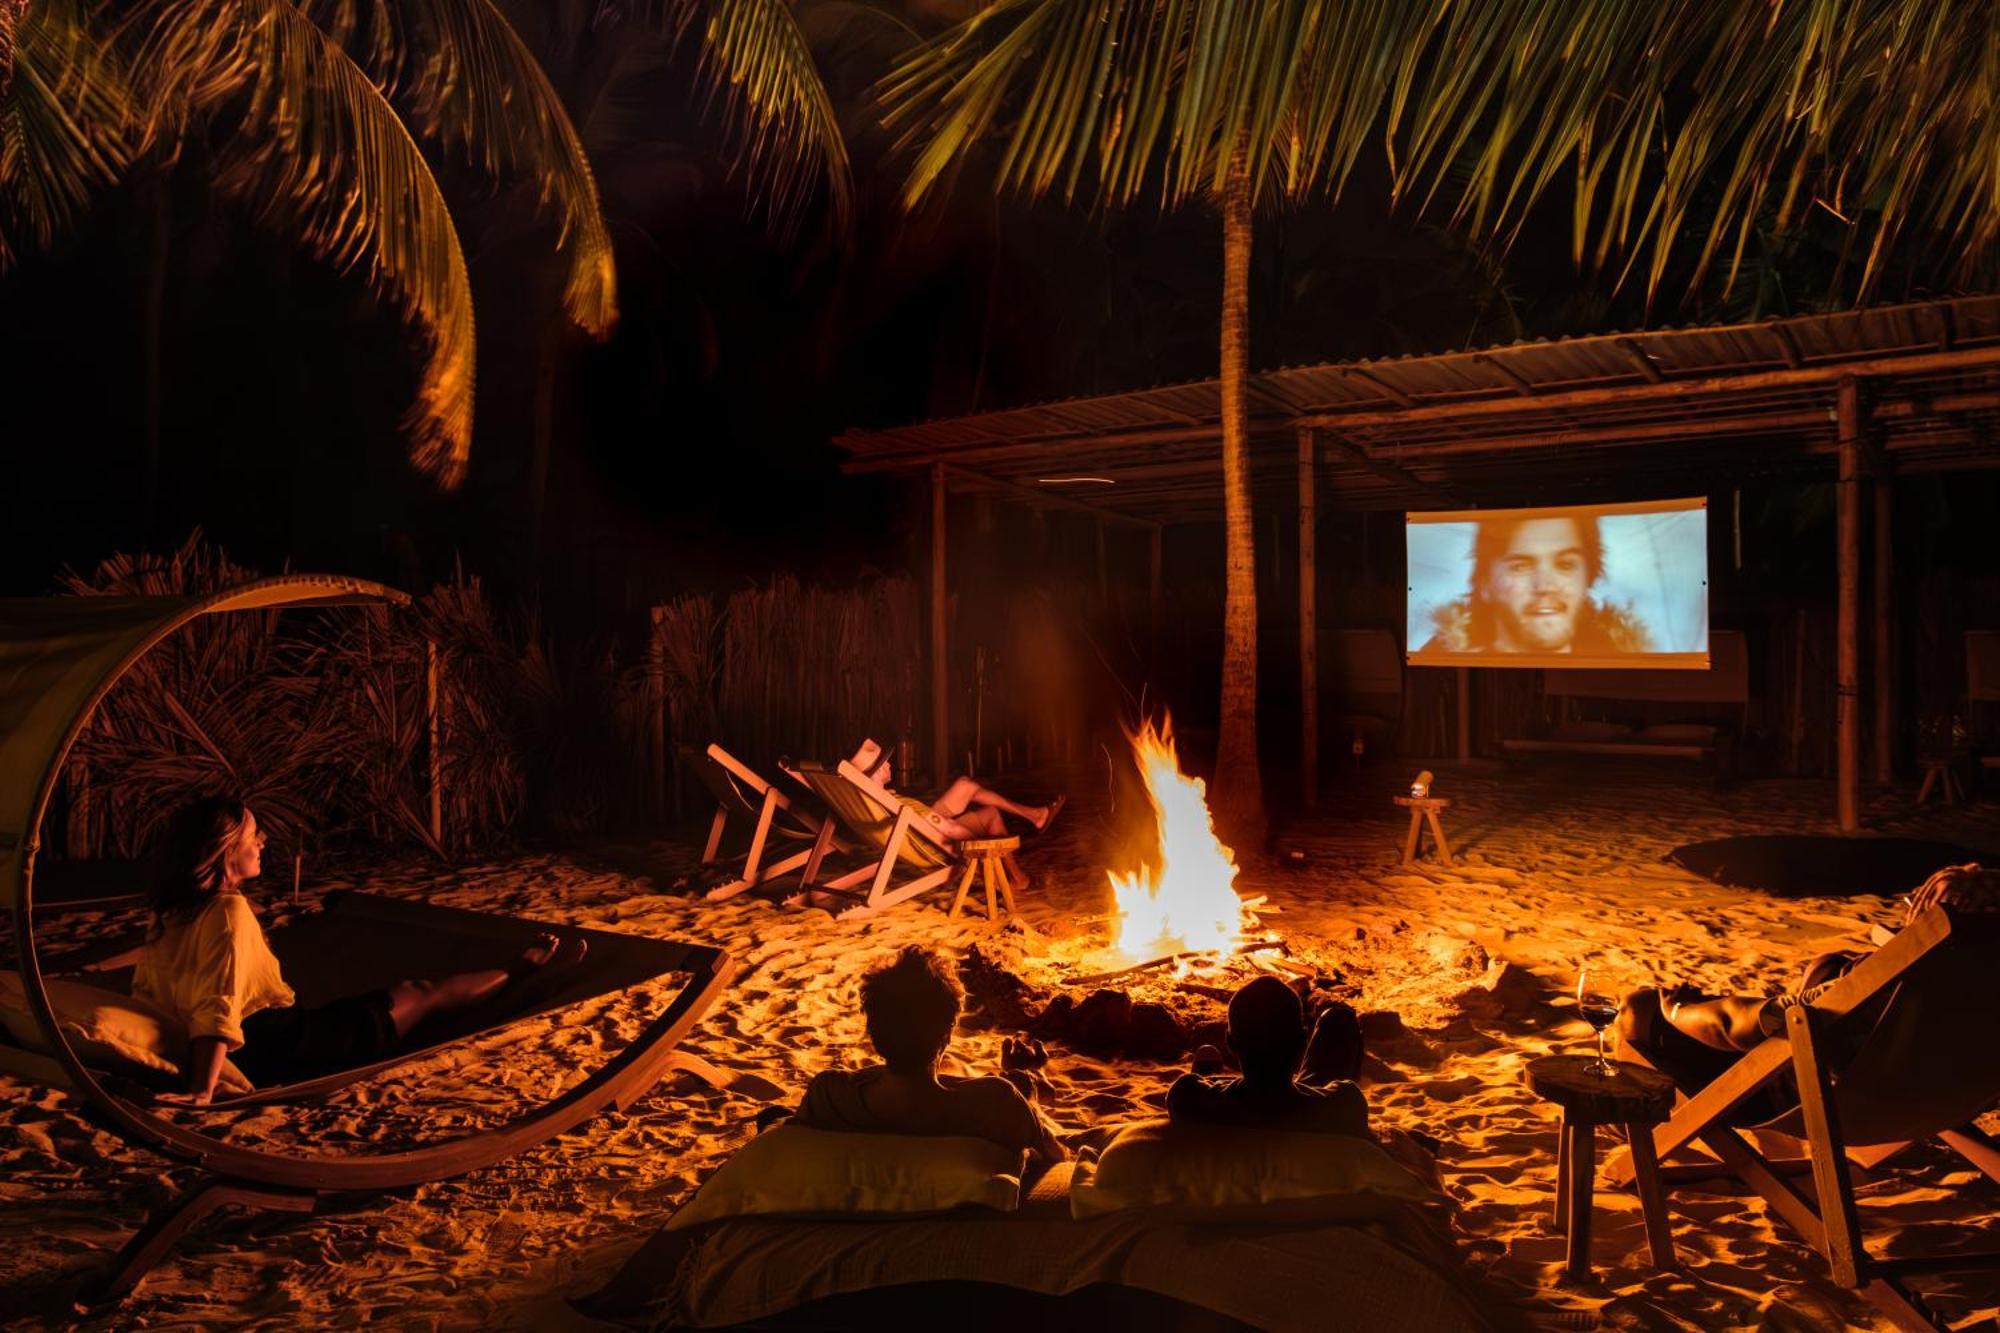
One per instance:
[(776, 113), (1683, 126), (68, 119), (316, 148), (464, 76)]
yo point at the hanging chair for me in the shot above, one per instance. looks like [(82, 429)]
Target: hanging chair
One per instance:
[(59, 657)]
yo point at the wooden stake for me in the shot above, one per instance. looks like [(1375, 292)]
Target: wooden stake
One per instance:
[(432, 699), (1308, 625), (1885, 632), (1848, 681), (940, 705)]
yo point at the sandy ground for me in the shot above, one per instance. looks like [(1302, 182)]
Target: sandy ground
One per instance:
[(1559, 866)]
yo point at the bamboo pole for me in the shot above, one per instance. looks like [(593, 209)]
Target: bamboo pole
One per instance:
[(1885, 631), (940, 712), (1308, 625), (432, 700), (1848, 686), (1464, 714)]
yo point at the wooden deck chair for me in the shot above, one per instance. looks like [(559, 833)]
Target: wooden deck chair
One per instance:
[(742, 792), (877, 819), (1927, 1068)]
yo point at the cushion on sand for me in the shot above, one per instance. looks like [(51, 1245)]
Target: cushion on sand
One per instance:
[(793, 1171), (1209, 1173), (107, 1029), (1591, 731)]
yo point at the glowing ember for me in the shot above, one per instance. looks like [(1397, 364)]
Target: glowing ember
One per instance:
[(1188, 901)]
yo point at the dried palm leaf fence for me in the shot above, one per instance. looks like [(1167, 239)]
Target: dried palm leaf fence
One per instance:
[(321, 723), (785, 669)]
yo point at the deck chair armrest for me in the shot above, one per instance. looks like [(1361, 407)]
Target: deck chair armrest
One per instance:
[(748, 776), (1886, 965)]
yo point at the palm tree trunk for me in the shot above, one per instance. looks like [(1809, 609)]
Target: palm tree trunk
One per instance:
[(1239, 790)]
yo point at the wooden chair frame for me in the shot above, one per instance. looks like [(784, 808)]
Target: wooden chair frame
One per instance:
[(1828, 1221), (735, 786), (908, 834)]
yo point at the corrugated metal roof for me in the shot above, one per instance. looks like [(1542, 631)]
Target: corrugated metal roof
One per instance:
[(1417, 430)]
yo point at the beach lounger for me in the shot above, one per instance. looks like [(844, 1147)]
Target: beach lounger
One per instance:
[(59, 657), (892, 828), (1927, 1068), (740, 791)]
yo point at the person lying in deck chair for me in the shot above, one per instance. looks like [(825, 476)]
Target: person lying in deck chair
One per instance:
[(964, 809), (912, 1005), (1267, 1030), (1692, 1037), (205, 960)]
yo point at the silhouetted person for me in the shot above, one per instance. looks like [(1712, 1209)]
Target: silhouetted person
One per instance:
[(912, 1005), (1267, 1031)]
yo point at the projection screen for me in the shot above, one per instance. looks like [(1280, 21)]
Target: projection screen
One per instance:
[(1614, 585)]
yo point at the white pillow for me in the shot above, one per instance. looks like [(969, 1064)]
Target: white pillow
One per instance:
[(794, 1171), (106, 1029), (1213, 1173)]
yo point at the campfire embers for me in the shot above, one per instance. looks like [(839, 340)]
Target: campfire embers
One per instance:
[(1186, 902)]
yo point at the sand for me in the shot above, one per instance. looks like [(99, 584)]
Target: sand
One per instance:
[(1559, 865)]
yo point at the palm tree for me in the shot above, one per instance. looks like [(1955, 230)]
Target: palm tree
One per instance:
[(311, 111), (1881, 113)]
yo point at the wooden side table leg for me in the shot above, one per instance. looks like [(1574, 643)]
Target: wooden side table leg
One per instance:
[(1006, 883), (964, 884), (1652, 1198), (1410, 842), (1582, 1176), (990, 873), (1562, 1175), (1437, 834), (1924, 792)]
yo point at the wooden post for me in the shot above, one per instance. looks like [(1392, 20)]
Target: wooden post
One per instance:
[(432, 697), (1848, 680), (1464, 714), (1885, 633), (940, 705), (1308, 624), (1155, 601), (656, 730)]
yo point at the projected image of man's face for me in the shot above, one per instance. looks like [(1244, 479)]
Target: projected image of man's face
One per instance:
[(1537, 587)]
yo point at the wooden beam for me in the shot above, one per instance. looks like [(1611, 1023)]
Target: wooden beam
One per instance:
[(1644, 364), (1505, 371), (1787, 344), (1053, 499), (940, 709), (1400, 476), (1308, 624), (1885, 631), (1673, 390), (1388, 390), (1848, 682)]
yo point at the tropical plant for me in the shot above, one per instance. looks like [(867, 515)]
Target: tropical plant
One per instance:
[(310, 111), (1882, 113)]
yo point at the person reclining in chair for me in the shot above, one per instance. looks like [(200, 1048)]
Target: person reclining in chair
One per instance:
[(964, 809), (205, 960), (1693, 1037), (912, 1005), (1267, 1031)]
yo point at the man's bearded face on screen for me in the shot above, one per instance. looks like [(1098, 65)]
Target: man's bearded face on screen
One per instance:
[(1538, 586)]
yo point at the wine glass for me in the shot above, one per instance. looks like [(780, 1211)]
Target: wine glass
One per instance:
[(1599, 1007)]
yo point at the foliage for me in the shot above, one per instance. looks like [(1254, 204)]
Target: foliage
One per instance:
[(1884, 114)]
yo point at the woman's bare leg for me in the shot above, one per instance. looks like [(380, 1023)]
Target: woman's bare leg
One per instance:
[(964, 793), (411, 1002)]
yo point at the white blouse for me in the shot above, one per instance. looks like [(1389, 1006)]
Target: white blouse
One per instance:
[(212, 968)]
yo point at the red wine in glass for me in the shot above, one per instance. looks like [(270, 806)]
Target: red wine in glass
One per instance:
[(1599, 1009)]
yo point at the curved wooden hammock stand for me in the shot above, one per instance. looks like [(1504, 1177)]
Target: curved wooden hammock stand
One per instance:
[(59, 657)]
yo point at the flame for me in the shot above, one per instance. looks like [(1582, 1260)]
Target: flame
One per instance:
[(1189, 901)]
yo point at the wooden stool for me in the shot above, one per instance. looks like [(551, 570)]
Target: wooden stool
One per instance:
[(1938, 772), (1634, 1097), (1422, 809), (987, 859)]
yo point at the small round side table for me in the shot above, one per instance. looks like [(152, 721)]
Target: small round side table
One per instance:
[(1424, 808), (1635, 1097), (986, 860)]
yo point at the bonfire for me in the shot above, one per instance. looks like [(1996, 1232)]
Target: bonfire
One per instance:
[(1185, 901)]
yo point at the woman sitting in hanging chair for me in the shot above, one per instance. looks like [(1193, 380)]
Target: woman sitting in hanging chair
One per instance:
[(206, 961)]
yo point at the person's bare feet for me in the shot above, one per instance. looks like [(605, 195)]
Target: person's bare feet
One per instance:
[(546, 949), (1049, 813)]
